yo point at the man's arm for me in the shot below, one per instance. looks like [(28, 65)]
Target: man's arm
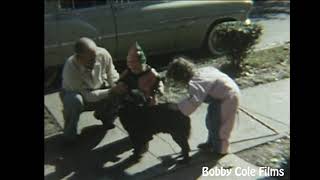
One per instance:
[(71, 78), (111, 73), (72, 81), (99, 94), (95, 95)]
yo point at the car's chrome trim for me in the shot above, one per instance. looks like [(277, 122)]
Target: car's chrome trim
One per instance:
[(135, 32), (58, 45), (102, 37), (190, 21), (72, 42), (180, 19)]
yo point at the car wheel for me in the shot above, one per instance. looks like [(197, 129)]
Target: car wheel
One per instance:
[(213, 43)]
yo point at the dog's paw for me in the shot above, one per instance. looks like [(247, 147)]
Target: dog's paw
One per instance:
[(136, 157), (141, 149), (183, 161)]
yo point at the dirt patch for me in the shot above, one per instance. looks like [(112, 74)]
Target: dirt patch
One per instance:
[(260, 67), (266, 66), (274, 154)]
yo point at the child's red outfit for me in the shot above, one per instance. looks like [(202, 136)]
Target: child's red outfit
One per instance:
[(148, 82)]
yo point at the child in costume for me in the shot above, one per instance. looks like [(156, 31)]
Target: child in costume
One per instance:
[(211, 86)]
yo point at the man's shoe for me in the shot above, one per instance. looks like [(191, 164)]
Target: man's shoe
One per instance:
[(205, 147)]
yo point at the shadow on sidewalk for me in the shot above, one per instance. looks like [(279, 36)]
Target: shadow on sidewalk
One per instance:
[(82, 161), (169, 164)]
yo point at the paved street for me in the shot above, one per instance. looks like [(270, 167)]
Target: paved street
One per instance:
[(276, 30)]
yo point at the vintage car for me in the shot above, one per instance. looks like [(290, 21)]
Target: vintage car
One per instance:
[(160, 26)]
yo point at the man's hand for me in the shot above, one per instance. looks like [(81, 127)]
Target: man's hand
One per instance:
[(120, 88), (173, 106)]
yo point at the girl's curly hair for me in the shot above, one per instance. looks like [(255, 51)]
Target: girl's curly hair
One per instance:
[(181, 70)]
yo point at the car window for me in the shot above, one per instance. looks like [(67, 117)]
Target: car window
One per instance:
[(79, 4)]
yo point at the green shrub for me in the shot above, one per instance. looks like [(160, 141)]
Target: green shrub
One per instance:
[(237, 40)]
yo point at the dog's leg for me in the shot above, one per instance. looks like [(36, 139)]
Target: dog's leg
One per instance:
[(140, 144), (182, 141)]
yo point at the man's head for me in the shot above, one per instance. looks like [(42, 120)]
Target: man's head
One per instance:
[(85, 50), (181, 70), (136, 59)]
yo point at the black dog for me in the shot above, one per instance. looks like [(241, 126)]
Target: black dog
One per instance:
[(142, 122)]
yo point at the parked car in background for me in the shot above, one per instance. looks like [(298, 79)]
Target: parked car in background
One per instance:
[(160, 26)]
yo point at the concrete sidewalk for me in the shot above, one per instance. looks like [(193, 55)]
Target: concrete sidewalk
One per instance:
[(104, 155)]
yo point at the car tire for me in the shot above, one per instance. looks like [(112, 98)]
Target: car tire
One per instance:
[(212, 43)]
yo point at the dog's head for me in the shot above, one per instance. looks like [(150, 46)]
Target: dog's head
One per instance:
[(133, 102)]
